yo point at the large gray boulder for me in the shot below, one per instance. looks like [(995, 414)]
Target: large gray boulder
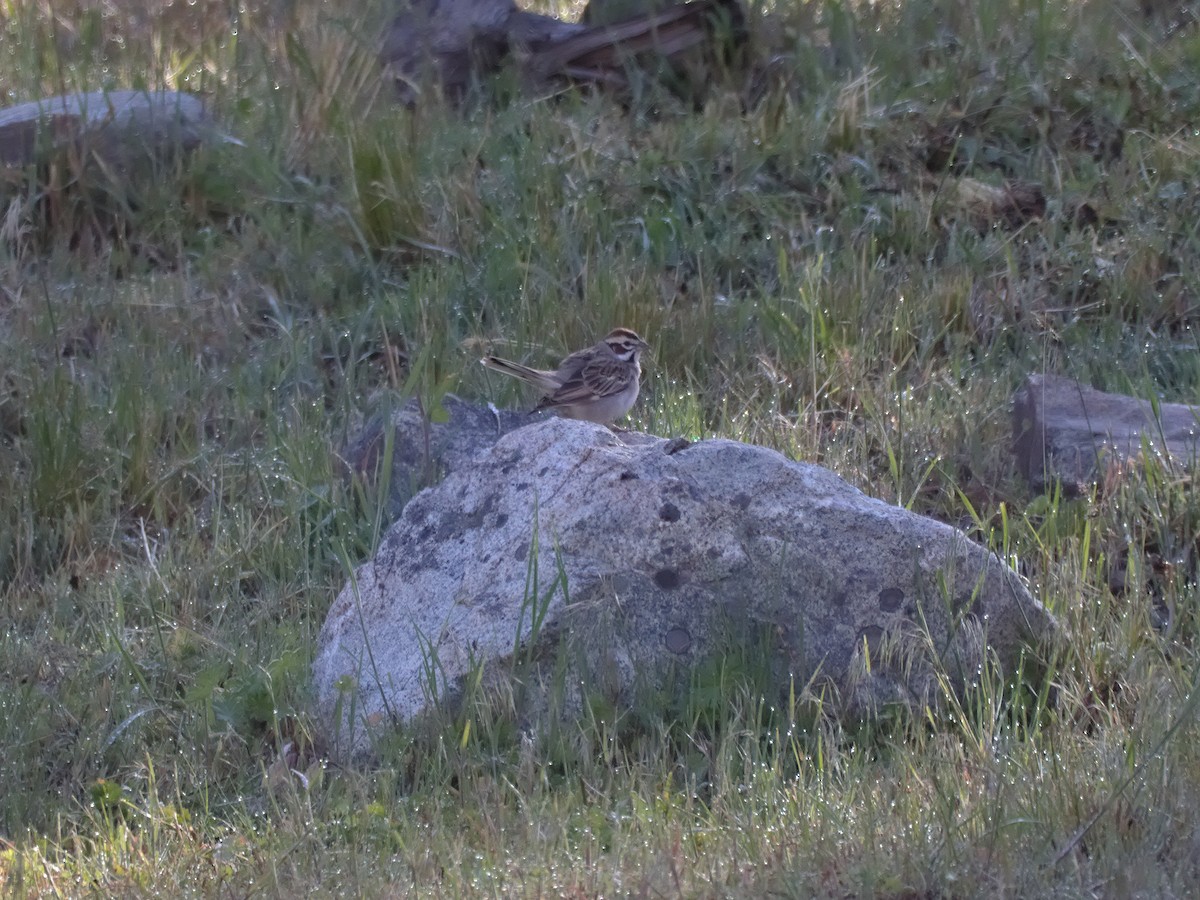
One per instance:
[(608, 563), (424, 448)]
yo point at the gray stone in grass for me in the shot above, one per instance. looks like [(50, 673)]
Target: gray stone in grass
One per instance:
[(122, 129), (648, 560), (1068, 433)]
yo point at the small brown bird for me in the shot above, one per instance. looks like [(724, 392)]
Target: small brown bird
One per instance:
[(598, 384)]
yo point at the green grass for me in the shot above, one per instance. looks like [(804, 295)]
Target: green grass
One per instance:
[(816, 271)]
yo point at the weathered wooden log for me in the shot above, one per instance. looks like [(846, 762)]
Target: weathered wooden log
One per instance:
[(608, 12), (604, 54), (447, 45)]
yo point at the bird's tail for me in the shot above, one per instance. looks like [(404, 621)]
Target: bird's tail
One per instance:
[(543, 381)]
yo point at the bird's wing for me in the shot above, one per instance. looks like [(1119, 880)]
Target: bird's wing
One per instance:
[(595, 378)]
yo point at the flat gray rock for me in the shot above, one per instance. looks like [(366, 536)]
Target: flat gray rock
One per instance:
[(123, 127), (1067, 432), (607, 564)]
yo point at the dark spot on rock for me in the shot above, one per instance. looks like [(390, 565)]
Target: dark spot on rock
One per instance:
[(676, 445), (542, 471), (629, 476), (872, 636), (669, 512), (425, 533), (667, 579), (890, 599), (972, 602), (677, 640), (491, 604), (521, 486), (475, 518), (501, 519), (712, 552), (522, 551), (450, 529), (742, 501)]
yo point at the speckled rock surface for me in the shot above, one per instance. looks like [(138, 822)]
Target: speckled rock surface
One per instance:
[(671, 554), (424, 451)]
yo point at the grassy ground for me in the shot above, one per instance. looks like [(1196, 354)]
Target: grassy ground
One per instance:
[(829, 271)]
